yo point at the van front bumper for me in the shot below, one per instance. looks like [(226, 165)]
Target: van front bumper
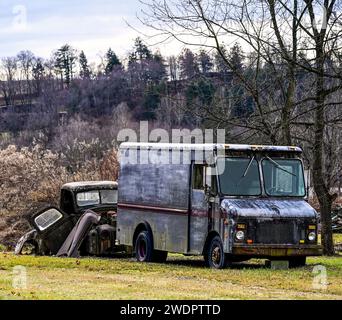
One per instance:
[(276, 250)]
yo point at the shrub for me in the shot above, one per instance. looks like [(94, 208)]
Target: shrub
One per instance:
[(32, 177)]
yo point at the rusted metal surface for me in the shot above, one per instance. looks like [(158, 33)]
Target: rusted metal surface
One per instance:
[(266, 251), (70, 247), (153, 208), (157, 195), (270, 208), (206, 146), (182, 218), (169, 231), (90, 185), (155, 185), (50, 240), (27, 238), (198, 221)]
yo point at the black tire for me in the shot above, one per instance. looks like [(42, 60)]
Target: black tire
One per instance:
[(214, 256), (297, 262), (159, 256), (144, 247)]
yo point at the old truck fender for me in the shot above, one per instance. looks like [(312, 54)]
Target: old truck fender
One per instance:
[(29, 237), (71, 245)]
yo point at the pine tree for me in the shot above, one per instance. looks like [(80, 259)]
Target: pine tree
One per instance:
[(188, 64), (204, 61), (112, 61), (140, 52), (158, 67), (37, 73), (220, 63), (236, 58), (65, 59), (84, 68)]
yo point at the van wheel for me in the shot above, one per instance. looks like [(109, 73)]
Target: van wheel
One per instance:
[(215, 257), (159, 256), (144, 247), (296, 262)]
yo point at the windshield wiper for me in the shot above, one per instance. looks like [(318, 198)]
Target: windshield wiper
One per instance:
[(249, 164), (280, 167), (246, 170)]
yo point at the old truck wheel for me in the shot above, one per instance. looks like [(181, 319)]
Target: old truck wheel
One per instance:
[(215, 257), (144, 247), (296, 262)]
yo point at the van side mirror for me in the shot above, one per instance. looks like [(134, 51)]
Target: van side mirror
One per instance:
[(209, 194)]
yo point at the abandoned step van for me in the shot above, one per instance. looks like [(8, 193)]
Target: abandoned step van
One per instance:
[(225, 202)]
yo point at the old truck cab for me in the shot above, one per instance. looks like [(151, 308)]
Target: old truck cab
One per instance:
[(71, 229), (262, 195), (225, 202)]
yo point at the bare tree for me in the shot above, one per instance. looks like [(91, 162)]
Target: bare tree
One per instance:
[(285, 39), (173, 68), (9, 67), (25, 65)]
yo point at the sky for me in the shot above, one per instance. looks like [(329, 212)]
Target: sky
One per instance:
[(42, 26)]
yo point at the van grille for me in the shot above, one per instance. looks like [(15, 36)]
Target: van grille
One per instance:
[(277, 232)]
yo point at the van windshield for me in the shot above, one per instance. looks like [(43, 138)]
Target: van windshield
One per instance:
[(239, 176), (283, 177)]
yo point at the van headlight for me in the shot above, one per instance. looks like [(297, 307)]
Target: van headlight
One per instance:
[(240, 235), (312, 236)]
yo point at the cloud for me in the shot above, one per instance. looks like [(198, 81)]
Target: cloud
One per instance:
[(93, 26)]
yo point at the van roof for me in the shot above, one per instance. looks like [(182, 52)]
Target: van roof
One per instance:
[(208, 146)]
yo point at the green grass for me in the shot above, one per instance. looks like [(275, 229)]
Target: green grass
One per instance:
[(179, 278)]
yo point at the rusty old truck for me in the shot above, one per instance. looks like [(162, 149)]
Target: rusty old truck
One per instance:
[(84, 223), (223, 201)]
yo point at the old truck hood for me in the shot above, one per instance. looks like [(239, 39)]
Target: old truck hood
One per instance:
[(269, 208)]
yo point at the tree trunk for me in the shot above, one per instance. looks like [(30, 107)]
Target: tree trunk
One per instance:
[(326, 231), (324, 197)]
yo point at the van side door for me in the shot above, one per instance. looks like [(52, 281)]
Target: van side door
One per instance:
[(199, 213)]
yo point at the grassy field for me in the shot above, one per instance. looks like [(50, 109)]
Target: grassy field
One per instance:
[(180, 278)]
